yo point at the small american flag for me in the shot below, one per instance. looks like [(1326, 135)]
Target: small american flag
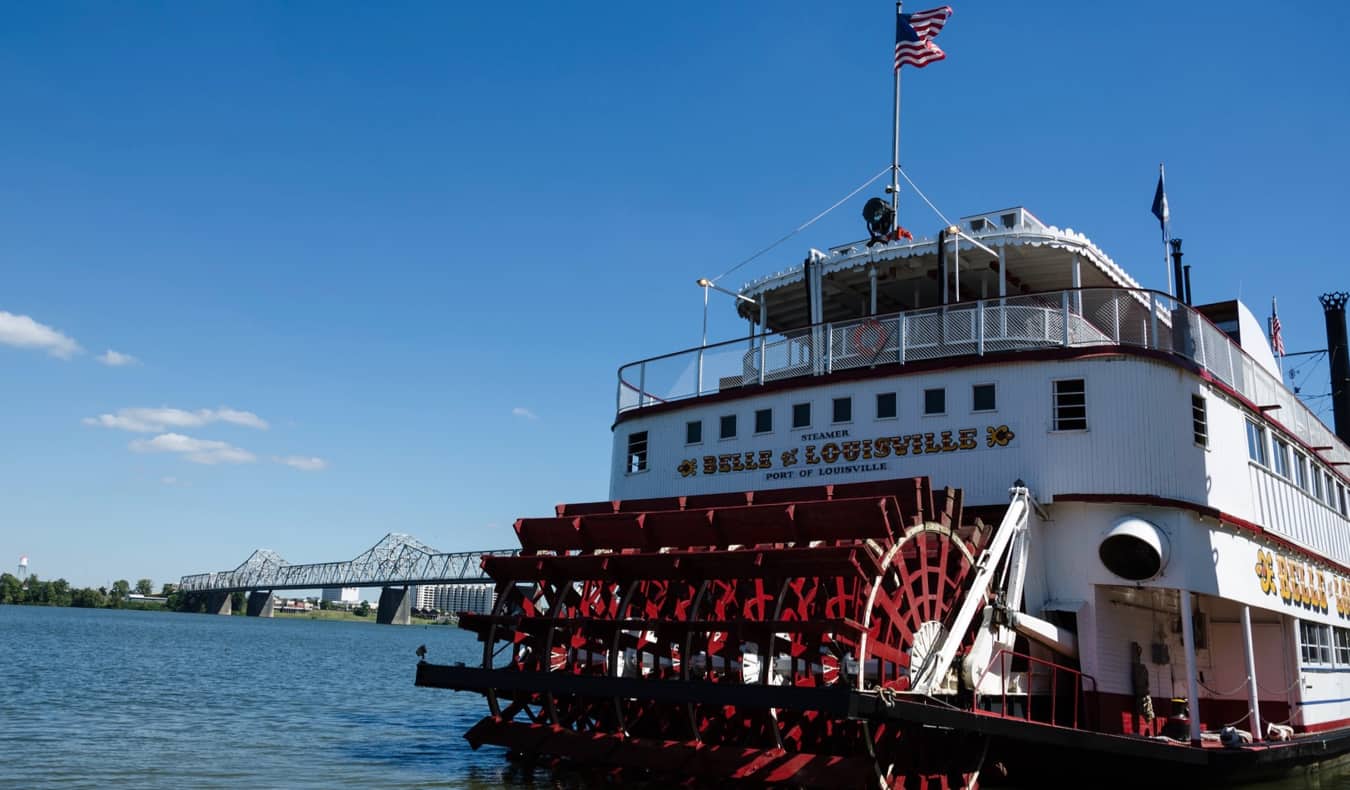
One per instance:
[(914, 35), (1276, 337)]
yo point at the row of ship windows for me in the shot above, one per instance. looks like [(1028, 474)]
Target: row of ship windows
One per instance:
[(983, 398), (1319, 643), (1070, 414), (1279, 456)]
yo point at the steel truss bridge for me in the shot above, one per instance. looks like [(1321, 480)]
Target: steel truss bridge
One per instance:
[(398, 560)]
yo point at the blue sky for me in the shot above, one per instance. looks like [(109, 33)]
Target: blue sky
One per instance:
[(405, 246)]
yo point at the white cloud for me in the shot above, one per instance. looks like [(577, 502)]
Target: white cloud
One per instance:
[(143, 420), (116, 359), (521, 411), (21, 331), (198, 451), (305, 463), (173, 481)]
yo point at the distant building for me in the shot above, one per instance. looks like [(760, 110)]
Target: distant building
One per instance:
[(350, 595), (455, 597)]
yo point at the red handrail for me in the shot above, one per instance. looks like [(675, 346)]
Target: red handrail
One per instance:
[(1004, 658)]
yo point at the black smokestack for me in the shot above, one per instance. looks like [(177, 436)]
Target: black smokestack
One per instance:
[(1176, 270), (1334, 305)]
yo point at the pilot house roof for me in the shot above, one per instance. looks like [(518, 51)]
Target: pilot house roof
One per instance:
[(1028, 256)]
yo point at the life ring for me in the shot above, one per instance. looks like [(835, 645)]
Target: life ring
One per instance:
[(869, 337)]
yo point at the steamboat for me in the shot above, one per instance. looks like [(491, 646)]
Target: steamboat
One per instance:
[(970, 508)]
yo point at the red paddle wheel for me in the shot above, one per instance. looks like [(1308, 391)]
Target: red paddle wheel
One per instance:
[(716, 636)]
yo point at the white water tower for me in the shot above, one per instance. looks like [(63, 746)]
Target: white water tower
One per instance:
[(23, 565)]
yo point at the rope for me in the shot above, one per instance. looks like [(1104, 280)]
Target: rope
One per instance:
[(1282, 691), (1244, 717), (1235, 690), (807, 223)]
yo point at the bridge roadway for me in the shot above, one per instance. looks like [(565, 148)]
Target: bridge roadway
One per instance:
[(395, 564)]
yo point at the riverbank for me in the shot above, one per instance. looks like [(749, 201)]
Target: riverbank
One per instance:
[(341, 615)]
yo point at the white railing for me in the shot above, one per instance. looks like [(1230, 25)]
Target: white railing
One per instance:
[(1081, 317)]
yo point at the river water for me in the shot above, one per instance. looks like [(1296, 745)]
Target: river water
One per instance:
[(107, 698)]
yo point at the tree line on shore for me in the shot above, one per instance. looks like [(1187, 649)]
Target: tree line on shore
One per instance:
[(32, 591), (58, 592)]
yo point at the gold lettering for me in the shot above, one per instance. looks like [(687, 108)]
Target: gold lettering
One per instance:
[(967, 438), (930, 445), (765, 459), (881, 447), (709, 464), (851, 450), (829, 453), (811, 457), (947, 444), (724, 463)]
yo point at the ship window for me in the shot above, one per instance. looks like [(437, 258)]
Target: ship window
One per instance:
[(1342, 636), (885, 405), (693, 432), (1314, 641), (1009, 220), (1281, 456), (637, 452), (801, 415), (843, 410), (1070, 405), (935, 401), (1256, 444), (1300, 470), (728, 427), (763, 420), (983, 397), (1199, 420)]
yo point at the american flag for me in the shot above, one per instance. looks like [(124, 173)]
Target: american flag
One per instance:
[(1276, 337), (914, 35)]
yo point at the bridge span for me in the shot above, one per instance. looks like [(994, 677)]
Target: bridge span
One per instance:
[(396, 563)]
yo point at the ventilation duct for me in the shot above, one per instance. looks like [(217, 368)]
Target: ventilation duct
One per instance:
[(1134, 549)]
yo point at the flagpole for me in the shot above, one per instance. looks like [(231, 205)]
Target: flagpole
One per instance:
[(895, 148), (1167, 262)]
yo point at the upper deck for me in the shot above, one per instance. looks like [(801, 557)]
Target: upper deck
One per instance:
[(1010, 284)]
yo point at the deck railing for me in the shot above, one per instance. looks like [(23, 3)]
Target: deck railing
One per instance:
[(1036, 690), (1081, 317)]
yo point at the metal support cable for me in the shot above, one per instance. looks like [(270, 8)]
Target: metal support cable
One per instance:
[(806, 224), (915, 187)]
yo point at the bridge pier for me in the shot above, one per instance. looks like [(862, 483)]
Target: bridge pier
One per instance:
[(259, 604), (395, 606), (219, 603)]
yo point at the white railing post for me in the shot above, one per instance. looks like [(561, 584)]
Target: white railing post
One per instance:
[(829, 348), (699, 385), (618, 394), (1200, 342), (1115, 319), (763, 354), (642, 384), (900, 341), (1152, 321), (979, 328), (1064, 311)]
